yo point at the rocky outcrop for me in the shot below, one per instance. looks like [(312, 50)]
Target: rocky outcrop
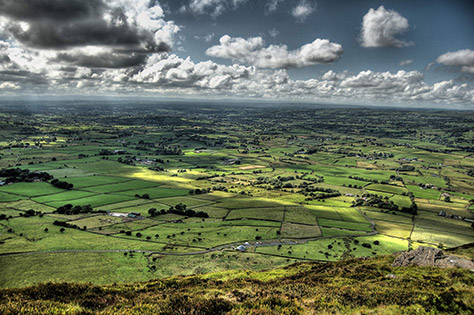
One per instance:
[(431, 257)]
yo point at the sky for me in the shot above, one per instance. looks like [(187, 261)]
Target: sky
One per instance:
[(412, 53)]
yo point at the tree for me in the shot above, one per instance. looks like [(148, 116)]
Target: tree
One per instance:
[(46, 230), (62, 230), (152, 212)]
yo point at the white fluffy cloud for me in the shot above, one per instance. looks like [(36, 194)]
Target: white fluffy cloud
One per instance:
[(380, 28), (253, 51), (170, 74), (173, 71), (302, 10), (142, 64), (212, 7), (462, 58), (209, 78)]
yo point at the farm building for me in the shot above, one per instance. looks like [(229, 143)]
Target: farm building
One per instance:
[(241, 248)]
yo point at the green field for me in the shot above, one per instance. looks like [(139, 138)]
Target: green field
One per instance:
[(189, 187)]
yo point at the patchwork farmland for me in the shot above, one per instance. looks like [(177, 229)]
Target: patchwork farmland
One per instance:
[(182, 192)]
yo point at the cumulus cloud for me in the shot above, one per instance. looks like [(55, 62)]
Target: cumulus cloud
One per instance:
[(212, 7), (50, 9), (9, 86), (128, 52), (303, 10), (380, 28), (61, 24), (462, 58), (105, 59), (400, 87), (383, 80), (124, 32), (253, 51), (172, 72)]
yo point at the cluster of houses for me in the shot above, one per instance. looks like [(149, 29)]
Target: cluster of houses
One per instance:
[(428, 186), (443, 213), (146, 161), (414, 159), (231, 161), (131, 215), (244, 246)]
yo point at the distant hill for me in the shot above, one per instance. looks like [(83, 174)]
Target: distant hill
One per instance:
[(356, 286)]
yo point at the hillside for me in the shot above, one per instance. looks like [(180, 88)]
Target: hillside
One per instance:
[(355, 286)]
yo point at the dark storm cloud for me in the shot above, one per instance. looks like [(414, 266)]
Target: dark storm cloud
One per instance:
[(105, 60), (62, 24), (23, 77), (28, 10), (4, 59)]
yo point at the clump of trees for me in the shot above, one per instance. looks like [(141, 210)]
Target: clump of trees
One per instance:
[(220, 188), (65, 224), (375, 181), (157, 168), (373, 200), (166, 150), (61, 184), (110, 152), (30, 213), (69, 209), (406, 168), (144, 196), (129, 160), (412, 209), (198, 191), (321, 193), (396, 177), (16, 175), (179, 209), (376, 201)]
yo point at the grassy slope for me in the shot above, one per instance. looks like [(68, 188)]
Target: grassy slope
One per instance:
[(350, 286)]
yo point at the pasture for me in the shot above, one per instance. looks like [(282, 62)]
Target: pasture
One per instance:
[(199, 192)]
